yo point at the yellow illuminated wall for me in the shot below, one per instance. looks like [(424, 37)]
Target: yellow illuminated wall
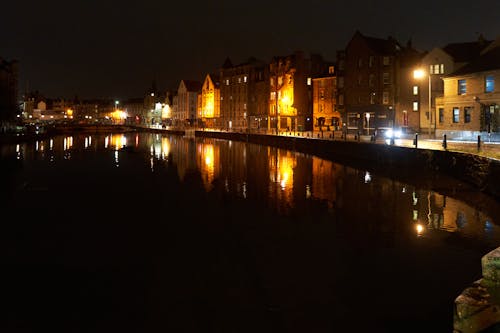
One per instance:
[(324, 101), (282, 86), (210, 99)]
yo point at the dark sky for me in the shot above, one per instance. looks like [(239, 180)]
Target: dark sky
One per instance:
[(116, 49)]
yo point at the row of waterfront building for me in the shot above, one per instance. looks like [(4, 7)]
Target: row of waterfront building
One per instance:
[(372, 85)]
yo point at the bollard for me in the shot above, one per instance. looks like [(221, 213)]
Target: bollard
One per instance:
[(445, 145), (478, 143), (415, 141)]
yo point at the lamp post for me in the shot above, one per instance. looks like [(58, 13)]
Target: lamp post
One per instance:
[(368, 123), (418, 74)]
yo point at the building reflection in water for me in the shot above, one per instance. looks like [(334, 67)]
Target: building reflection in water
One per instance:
[(284, 180)]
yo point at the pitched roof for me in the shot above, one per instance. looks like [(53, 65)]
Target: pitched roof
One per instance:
[(380, 45), (465, 52), (489, 60)]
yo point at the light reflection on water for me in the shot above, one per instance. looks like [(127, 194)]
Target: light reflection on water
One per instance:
[(284, 180), (338, 223)]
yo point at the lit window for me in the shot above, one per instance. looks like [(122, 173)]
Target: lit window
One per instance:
[(330, 70), (385, 61), (467, 114), (385, 97), (415, 106), (462, 87), (227, 82), (239, 80), (431, 69), (441, 69), (436, 69), (489, 83), (272, 81), (308, 81), (245, 78), (415, 90), (456, 114)]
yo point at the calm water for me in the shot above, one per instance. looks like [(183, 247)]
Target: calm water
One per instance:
[(147, 233)]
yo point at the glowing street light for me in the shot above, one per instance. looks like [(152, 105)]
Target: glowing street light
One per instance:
[(420, 74), (368, 123)]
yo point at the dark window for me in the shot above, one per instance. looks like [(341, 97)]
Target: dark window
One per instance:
[(467, 114), (441, 115)]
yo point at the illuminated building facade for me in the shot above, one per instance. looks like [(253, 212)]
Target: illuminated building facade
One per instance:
[(209, 101), (440, 63), (325, 115), (187, 98), (290, 95), (244, 91), (470, 105)]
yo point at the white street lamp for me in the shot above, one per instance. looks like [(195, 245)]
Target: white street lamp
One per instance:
[(419, 74)]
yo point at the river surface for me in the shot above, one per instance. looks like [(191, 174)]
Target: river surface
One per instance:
[(143, 232)]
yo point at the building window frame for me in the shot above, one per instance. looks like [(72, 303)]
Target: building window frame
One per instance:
[(462, 86), (456, 114), (489, 83), (467, 114)]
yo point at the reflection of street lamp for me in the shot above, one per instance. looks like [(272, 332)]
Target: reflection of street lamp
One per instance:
[(419, 74), (368, 123)]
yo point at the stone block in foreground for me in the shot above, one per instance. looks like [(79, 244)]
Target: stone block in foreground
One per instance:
[(477, 308)]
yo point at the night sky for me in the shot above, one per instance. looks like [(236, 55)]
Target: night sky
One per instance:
[(116, 49)]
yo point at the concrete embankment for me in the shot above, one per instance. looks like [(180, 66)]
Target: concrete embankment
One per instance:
[(481, 172)]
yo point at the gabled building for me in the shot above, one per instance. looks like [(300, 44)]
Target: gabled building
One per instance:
[(290, 84), (209, 102), (470, 105), (244, 94), (435, 65), (325, 114), (374, 74), (187, 99)]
